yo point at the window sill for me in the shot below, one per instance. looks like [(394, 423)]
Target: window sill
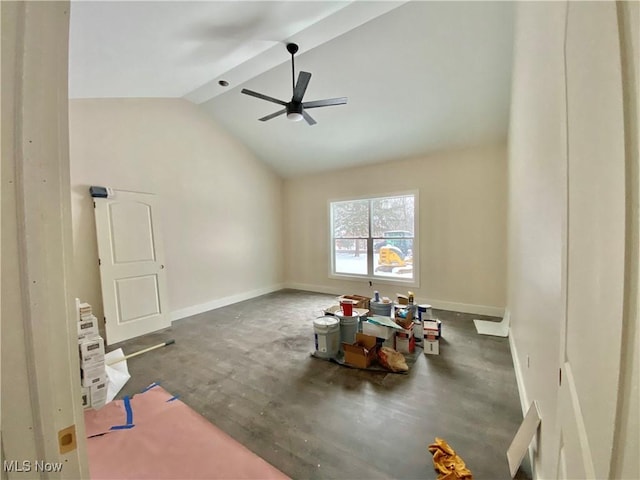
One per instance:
[(375, 279)]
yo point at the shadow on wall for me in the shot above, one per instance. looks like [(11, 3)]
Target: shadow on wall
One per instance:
[(86, 281)]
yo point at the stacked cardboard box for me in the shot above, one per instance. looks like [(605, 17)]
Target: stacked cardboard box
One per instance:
[(431, 337), (359, 301), (405, 341), (92, 366)]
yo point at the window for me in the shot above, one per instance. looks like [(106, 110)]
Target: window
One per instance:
[(374, 238)]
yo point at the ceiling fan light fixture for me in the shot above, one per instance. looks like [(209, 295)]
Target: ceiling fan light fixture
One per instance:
[(294, 111), (294, 116)]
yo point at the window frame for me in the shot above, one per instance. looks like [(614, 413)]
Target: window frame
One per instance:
[(415, 282)]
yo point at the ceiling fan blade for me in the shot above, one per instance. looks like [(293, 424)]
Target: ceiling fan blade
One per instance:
[(273, 115), (308, 118), (263, 97), (301, 86), (325, 103)]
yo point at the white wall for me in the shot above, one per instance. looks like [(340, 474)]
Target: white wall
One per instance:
[(462, 226), (221, 208), (555, 278), (537, 212)]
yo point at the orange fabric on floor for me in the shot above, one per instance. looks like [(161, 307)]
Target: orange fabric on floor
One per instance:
[(447, 462)]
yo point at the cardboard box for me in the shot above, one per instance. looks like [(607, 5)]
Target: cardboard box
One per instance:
[(361, 353), (92, 351), (431, 347), (86, 397), (93, 364), (379, 331), (86, 338), (361, 302), (99, 394), (84, 309), (402, 299), (406, 320), (93, 375), (405, 341), (432, 329), (88, 327)]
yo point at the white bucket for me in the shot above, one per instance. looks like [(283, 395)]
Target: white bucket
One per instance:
[(348, 328), (327, 336)]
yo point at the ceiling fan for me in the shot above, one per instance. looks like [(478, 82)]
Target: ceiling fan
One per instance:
[(296, 108)]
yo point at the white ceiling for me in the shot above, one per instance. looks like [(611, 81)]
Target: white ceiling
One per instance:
[(420, 76)]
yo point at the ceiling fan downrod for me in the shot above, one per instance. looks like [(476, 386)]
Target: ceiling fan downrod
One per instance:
[(292, 48)]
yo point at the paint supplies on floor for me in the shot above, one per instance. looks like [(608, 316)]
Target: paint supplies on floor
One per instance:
[(362, 352), (392, 360), (431, 335), (93, 374), (405, 327)]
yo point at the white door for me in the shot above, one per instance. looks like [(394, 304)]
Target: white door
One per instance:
[(595, 242), (132, 270)]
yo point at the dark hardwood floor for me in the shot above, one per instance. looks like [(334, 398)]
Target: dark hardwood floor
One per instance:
[(247, 368)]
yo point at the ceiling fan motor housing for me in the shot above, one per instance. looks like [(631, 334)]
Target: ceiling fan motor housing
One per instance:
[(294, 107), (294, 110)]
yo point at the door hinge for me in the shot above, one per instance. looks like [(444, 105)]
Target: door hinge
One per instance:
[(94, 204), (105, 319), (560, 376), (99, 262)]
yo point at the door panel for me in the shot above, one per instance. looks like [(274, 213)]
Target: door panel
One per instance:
[(131, 265), (576, 459), (138, 297), (595, 239), (131, 232)]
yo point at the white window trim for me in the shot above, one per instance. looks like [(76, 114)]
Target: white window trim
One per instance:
[(415, 282)]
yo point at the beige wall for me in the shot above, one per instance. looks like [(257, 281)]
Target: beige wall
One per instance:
[(462, 226), (221, 208), (40, 390), (626, 463)]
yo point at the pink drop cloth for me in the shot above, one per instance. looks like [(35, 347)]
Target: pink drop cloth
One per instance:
[(168, 441)]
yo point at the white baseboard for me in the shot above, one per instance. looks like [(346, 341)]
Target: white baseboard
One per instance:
[(222, 302), (314, 288), (439, 304), (465, 307), (522, 393)]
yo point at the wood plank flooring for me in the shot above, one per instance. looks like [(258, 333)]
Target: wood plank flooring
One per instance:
[(247, 368)]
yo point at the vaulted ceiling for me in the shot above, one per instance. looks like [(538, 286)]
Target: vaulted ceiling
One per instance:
[(419, 76)]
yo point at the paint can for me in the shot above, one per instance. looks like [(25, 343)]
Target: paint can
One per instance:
[(424, 312), (327, 336), (348, 327), (380, 308)]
